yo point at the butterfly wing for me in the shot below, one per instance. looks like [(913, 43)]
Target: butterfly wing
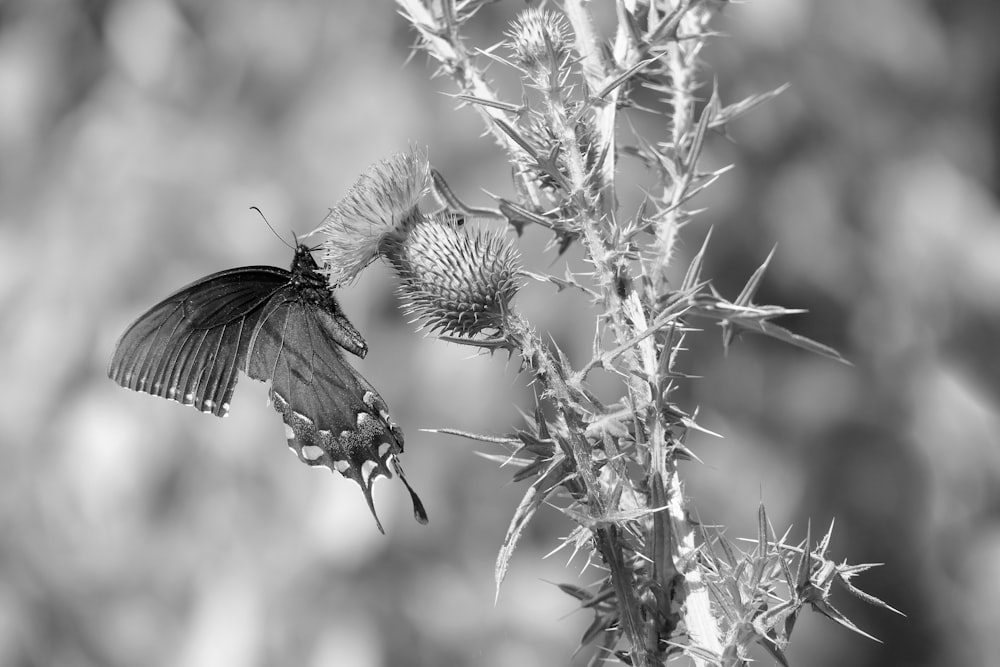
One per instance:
[(190, 346), (334, 417)]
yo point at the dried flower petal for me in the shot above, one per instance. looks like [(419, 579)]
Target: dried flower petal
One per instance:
[(382, 202)]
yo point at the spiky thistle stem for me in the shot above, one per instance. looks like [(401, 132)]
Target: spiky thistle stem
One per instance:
[(673, 584)]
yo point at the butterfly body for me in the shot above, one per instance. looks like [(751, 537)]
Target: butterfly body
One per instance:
[(277, 326)]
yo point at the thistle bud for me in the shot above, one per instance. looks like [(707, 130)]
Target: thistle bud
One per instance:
[(540, 42), (381, 203), (455, 281)]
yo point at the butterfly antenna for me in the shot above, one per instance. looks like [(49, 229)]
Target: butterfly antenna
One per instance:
[(299, 244), (276, 234)]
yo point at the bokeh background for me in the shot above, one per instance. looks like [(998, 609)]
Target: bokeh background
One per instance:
[(135, 134)]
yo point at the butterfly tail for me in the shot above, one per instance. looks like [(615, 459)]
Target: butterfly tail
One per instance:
[(419, 513)]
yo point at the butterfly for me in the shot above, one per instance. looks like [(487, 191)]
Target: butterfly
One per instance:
[(277, 326)]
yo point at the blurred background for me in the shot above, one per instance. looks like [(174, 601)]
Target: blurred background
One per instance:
[(134, 137)]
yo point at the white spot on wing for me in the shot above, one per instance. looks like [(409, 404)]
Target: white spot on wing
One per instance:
[(367, 470), (383, 449), (374, 402), (289, 433), (341, 466), (311, 452)]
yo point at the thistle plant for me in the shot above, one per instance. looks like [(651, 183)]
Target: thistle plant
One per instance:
[(667, 585)]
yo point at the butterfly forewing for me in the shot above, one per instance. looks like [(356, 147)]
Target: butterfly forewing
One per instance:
[(189, 347), (229, 295)]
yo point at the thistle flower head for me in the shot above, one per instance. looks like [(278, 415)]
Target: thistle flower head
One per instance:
[(382, 202), (453, 280), (540, 41)]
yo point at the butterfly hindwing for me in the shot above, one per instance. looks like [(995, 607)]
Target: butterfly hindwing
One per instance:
[(334, 416), (190, 346)]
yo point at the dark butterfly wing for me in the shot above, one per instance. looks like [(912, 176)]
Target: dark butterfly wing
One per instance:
[(333, 416), (190, 346), (282, 327)]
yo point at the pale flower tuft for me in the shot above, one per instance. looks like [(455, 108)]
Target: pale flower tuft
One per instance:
[(381, 203)]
